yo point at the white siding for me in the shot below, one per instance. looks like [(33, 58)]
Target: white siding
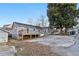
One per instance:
[(3, 36), (14, 32), (33, 30)]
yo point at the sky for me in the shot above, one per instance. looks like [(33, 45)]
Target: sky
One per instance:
[(23, 13)]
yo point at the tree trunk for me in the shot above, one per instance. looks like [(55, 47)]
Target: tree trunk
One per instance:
[(61, 32), (66, 31)]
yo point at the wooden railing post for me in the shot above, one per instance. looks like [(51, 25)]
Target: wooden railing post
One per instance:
[(30, 36), (22, 36)]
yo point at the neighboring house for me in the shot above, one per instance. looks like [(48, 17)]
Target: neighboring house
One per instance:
[(19, 28), (8, 28), (3, 36), (75, 28)]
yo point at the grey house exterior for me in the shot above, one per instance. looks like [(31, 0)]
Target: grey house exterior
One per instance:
[(3, 36), (25, 29)]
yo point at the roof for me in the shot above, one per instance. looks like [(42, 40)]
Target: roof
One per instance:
[(3, 30), (26, 24), (8, 26)]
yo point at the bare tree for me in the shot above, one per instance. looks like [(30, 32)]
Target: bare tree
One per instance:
[(40, 21), (30, 21), (46, 22)]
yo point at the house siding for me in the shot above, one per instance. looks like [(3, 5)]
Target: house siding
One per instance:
[(27, 30), (14, 33)]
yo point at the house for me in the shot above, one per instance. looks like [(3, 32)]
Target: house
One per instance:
[(19, 29), (46, 30), (8, 28), (3, 35), (74, 28)]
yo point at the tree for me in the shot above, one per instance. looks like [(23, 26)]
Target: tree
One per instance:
[(62, 15), (38, 23), (30, 21), (42, 22)]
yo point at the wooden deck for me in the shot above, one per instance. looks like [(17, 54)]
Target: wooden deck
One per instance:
[(28, 36)]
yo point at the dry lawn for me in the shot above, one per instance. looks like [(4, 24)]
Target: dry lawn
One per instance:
[(31, 49)]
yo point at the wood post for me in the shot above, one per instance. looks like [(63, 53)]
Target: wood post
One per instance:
[(35, 36), (30, 36), (22, 36)]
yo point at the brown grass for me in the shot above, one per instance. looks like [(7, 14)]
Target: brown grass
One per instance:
[(31, 49)]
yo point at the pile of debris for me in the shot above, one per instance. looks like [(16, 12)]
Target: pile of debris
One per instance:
[(6, 50)]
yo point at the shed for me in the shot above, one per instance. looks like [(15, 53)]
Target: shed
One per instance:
[(3, 36)]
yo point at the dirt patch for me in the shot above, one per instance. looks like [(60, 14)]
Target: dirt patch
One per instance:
[(31, 49)]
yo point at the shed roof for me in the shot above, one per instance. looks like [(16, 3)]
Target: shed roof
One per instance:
[(4, 30)]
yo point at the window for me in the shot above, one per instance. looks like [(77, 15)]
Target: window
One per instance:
[(45, 31), (27, 30), (20, 32), (38, 30), (34, 29)]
